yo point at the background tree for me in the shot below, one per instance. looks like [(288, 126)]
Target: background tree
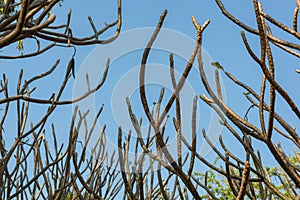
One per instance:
[(33, 167)]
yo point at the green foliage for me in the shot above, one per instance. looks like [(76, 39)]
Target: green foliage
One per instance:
[(219, 186), (246, 93), (216, 183), (49, 13), (20, 46), (217, 65), (162, 197), (2, 5), (69, 196)]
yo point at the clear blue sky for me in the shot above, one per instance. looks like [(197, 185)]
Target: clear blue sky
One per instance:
[(221, 40)]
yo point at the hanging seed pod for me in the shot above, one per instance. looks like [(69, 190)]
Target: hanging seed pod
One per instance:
[(71, 67)]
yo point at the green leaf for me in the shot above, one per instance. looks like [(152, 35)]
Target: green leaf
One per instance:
[(48, 13), (217, 65), (20, 46)]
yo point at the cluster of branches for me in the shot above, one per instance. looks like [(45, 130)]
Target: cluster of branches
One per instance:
[(270, 122), (33, 167), (32, 19), (245, 178)]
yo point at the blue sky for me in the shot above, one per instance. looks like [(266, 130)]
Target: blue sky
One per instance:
[(222, 41)]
